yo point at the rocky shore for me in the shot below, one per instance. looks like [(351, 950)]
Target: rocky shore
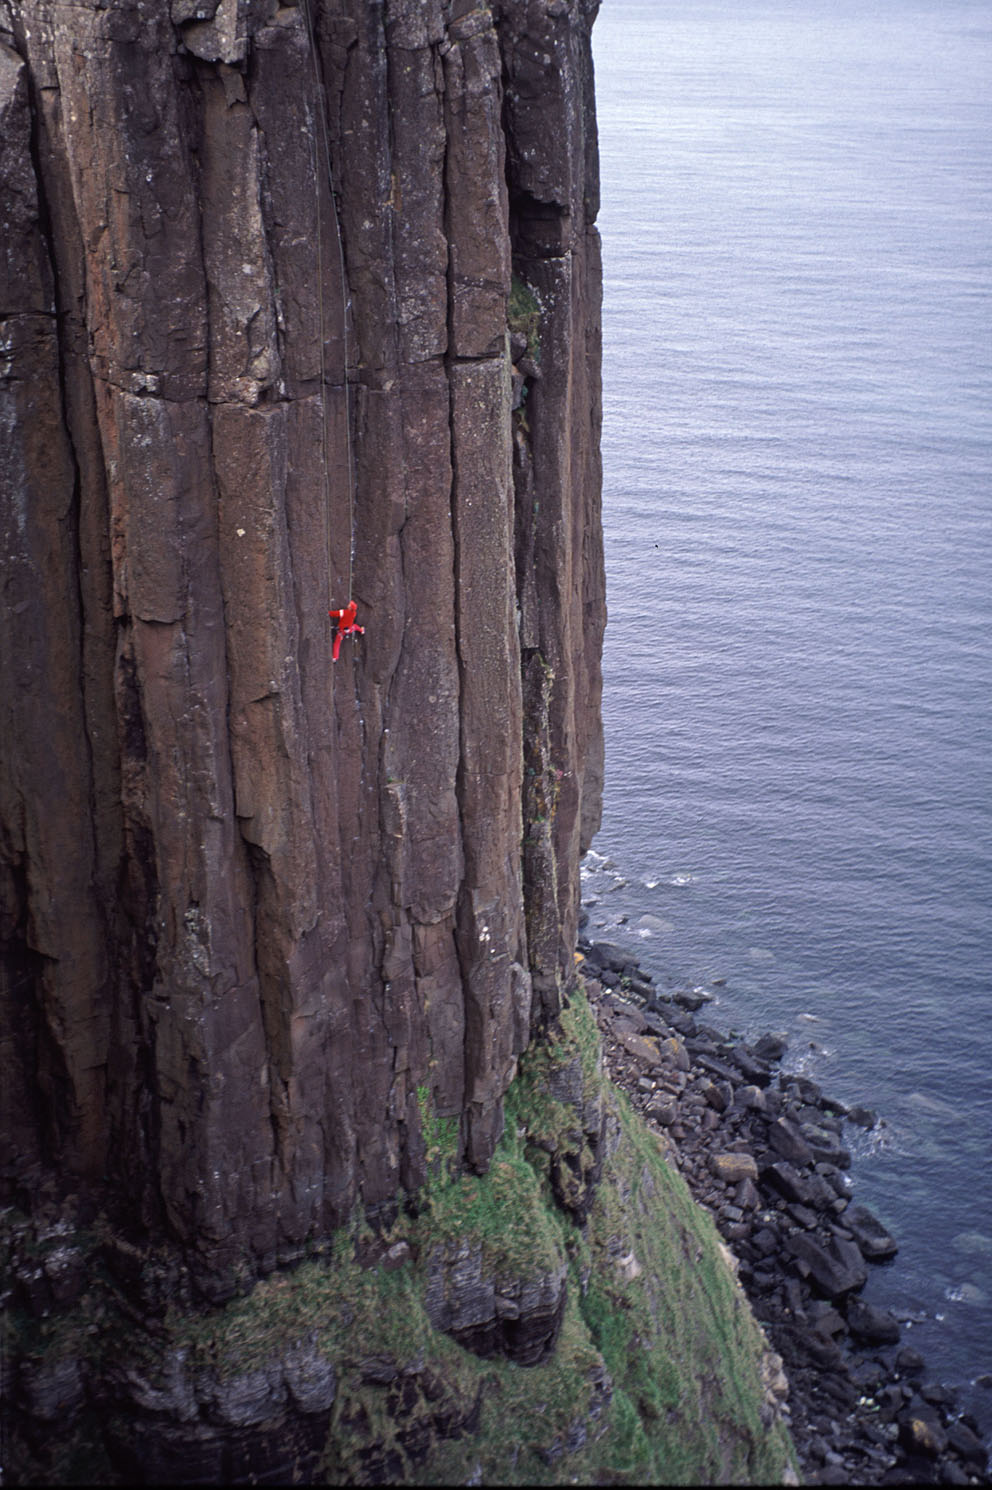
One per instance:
[(763, 1150)]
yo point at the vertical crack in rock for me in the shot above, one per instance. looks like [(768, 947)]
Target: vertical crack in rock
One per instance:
[(553, 196), (49, 906)]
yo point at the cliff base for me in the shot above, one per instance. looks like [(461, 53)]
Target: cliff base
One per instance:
[(568, 1317)]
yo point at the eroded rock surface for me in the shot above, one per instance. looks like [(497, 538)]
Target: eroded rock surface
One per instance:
[(514, 1316)]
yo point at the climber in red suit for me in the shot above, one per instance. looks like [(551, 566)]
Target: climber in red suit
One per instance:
[(346, 625)]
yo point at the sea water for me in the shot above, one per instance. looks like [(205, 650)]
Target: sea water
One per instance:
[(797, 235)]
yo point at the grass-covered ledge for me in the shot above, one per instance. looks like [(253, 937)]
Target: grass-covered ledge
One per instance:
[(649, 1370)]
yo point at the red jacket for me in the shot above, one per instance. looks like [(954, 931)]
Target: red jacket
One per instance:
[(346, 625)]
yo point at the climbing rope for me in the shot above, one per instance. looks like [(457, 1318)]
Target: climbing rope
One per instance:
[(344, 617)]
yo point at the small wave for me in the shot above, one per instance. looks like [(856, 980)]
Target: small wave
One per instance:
[(967, 1293), (909, 1317), (681, 879), (975, 1242), (655, 923), (809, 1061), (882, 1139), (932, 1106)]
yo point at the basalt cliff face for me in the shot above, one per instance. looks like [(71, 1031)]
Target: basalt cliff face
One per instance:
[(297, 304)]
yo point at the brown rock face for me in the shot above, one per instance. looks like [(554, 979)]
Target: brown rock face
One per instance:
[(256, 359)]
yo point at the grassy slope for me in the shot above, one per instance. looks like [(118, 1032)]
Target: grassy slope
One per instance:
[(650, 1297)]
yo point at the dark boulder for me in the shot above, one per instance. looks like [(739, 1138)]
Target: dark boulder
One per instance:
[(748, 1063), (716, 1068), (766, 1241), (825, 1318), (875, 1242), (967, 1445), (937, 1395), (909, 1361), (608, 955), (770, 1047), (785, 1180), (921, 1432), (787, 1139), (718, 1095), (809, 1347), (825, 1146), (835, 1268), (691, 999), (681, 1022), (822, 1195), (749, 1098), (876, 1326), (802, 1088)]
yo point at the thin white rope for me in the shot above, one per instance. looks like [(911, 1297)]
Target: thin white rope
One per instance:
[(322, 115)]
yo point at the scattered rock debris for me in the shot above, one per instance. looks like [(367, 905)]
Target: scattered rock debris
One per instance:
[(764, 1152)]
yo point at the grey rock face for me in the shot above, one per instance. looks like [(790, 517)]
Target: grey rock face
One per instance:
[(514, 1316)]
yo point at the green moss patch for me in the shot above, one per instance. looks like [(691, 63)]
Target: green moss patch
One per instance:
[(523, 314)]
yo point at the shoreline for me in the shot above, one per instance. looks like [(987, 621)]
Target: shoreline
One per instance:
[(763, 1150)]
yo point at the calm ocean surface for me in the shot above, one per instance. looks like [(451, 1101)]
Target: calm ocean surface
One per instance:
[(797, 231)]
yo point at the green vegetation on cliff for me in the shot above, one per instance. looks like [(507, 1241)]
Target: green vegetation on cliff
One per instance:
[(580, 1250), (523, 314)]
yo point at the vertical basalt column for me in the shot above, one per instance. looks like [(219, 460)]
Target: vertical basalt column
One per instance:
[(491, 931), (54, 978), (552, 171), (394, 150)]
